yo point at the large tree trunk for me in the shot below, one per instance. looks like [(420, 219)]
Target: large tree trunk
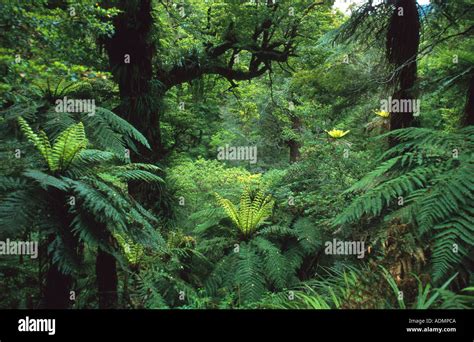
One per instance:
[(107, 280), (403, 39), (57, 291), (130, 52)]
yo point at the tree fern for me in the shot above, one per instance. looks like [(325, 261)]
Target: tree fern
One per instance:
[(433, 172), (251, 212), (90, 185)]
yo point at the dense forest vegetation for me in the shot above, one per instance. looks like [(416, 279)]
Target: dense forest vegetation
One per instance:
[(264, 154)]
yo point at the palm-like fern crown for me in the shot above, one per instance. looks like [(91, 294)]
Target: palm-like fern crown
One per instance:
[(65, 148), (251, 212), (433, 172)]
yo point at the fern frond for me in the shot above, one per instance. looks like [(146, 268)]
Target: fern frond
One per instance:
[(251, 213), (276, 266), (453, 241), (36, 140), (230, 210), (121, 126), (66, 146), (46, 180), (308, 235), (249, 277)]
